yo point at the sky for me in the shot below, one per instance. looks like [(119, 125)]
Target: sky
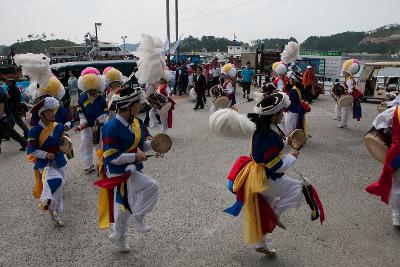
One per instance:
[(247, 19)]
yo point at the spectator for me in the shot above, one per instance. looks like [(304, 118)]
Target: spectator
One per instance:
[(17, 108), (247, 79), (184, 79), (73, 92), (5, 126), (308, 83), (200, 87)]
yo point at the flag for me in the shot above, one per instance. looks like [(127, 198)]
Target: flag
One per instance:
[(166, 47), (176, 44)]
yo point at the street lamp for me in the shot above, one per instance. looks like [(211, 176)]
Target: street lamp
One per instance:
[(124, 38)]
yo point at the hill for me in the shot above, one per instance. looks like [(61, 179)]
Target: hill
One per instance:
[(383, 40), (36, 46)]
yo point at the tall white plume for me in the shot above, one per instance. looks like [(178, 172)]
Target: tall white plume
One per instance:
[(152, 62), (229, 123), (37, 68), (290, 52)]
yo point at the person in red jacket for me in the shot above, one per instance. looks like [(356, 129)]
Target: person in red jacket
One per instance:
[(308, 83)]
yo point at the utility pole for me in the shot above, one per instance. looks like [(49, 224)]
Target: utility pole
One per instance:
[(124, 38), (176, 29), (168, 32)]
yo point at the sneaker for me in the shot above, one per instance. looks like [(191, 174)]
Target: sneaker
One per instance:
[(266, 247), (137, 223), (56, 218), (396, 220), (119, 243), (343, 126), (89, 169), (337, 119)]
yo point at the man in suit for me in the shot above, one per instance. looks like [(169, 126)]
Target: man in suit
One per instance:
[(200, 87)]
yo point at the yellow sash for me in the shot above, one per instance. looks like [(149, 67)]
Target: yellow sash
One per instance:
[(103, 201), (44, 134)]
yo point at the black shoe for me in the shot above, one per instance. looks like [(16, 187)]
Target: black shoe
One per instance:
[(22, 149), (195, 108), (201, 108)]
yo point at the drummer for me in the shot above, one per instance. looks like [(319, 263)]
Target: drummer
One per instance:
[(260, 182), (43, 145), (350, 68), (295, 115), (124, 141), (388, 185), (114, 80), (163, 88), (92, 110), (229, 70)]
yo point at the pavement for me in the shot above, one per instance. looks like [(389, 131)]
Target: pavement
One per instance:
[(189, 227)]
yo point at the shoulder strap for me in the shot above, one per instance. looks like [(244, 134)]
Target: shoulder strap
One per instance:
[(45, 133)]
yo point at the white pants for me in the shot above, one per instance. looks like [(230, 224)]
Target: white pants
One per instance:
[(163, 119), (395, 194), (86, 147), (290, 122), (52, 187), (283, 193), (142, 197), (337, 111), (345, 113)]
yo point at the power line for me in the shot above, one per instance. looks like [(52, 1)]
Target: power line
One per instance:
[(141, 21), (199, 17), (241, 16)]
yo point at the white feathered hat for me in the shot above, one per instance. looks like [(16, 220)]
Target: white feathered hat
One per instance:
[(229, 123), (229, 69), (42, 81), (91, 79), (111, 74), (288, 56), (351, 66), (152, 63)]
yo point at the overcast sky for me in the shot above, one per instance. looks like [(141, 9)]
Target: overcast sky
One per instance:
[(248, 19)]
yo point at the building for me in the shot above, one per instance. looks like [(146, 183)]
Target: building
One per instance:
[(234, 50)]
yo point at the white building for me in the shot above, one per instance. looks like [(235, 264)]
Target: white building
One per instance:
[(237, 50)]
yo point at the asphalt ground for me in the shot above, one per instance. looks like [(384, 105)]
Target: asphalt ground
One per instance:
[(189, 227)]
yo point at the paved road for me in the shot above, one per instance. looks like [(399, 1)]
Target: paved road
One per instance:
[(189, 227)]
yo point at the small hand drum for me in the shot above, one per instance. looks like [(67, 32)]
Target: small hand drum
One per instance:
[(378, 143), (221, 102), (217, 91), (345, 101), (159, 102), (66, 146), (299, 138), (161, 143)]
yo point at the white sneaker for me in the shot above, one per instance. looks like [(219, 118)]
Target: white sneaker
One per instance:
[(396, 220), (119, 243), (137, 223), (56, 218)]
